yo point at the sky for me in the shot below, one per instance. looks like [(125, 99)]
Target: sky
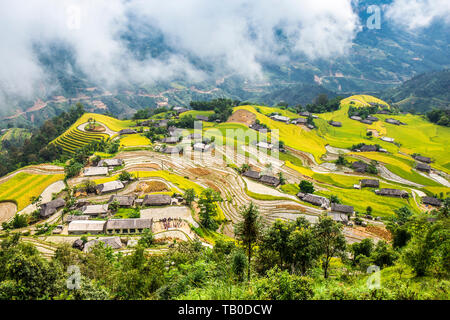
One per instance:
[(233, 36)]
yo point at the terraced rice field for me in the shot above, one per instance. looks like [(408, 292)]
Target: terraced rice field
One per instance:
[(74, 139), (22, 186), (134, 140)]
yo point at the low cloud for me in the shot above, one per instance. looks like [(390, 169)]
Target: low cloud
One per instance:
[(233, 36), (416, 14)]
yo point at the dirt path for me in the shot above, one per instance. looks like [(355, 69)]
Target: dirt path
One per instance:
[(37, 169), (108, 131)]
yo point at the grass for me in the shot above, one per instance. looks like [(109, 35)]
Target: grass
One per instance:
[(23, 186), (133, 140)]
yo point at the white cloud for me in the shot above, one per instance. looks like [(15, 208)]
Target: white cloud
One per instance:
[(233, 36), (416, 14)]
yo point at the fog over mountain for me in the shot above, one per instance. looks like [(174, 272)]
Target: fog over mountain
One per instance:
[(57, 47)]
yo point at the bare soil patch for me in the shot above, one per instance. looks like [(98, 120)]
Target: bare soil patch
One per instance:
[(152, 186), (243, 116), (290, 207), (380, 232), (199, 171), (212, 186), (7, 211)]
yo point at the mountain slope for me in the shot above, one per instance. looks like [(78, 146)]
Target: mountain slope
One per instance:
[(423, 92)]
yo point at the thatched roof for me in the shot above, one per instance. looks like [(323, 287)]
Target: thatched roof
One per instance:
[(109, 186), (157, 200), (423, 167), (95, 209), (51, 207), (360, 166), (73, 217), (392, 193), (113, 242), (335, 123), (300, 121), (300, 195), (423, 159), (280, 118), (124, 201), (393, 121), (252, 174), (371, 183), (341, 208), (86, 226), (96, 171), (269, 180), (114, 224), (366, 121), (357, 118), (305, 114), (339, 217), (199, 146), (127, 131), (368, 148), (316, 200), (372, 118), (432, 201), (110, 163), (202, 118), (170, 140), (171, 150)]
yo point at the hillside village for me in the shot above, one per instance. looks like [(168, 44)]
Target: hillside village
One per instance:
[(125, 179)]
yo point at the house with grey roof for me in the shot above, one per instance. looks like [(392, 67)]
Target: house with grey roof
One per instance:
[(432, 201), (339, 217), (49, 208), (366, 121), (370, 183), (170, 140), (269, 180), (264, 145), (86, 227), (124, 201), (110, 186), (423, 159), (157, 200), (112, 242), (360, 166), (95, 171), (423, 167), (335, 123), (95, 209), (202, 147), (317, 200), (171, 150), (393, 121), (110, 163), (357, 118), (202, 118), (341, 208), (252, 174), (127, 131), (128, 226), (280, 118), (368, 148), (392, 193)]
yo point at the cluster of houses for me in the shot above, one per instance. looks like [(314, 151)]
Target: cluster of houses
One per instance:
[(368, 120), (298, 121), (103, 167), (263, 178), (423, 163)]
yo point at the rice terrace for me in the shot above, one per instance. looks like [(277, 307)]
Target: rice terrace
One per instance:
[(258, 157)]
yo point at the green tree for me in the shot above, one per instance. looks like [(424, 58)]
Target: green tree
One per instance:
[(189, 196), (239, 264), (208, 208), (331, 240), (248, 231), (306, 186), (147, 239)]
